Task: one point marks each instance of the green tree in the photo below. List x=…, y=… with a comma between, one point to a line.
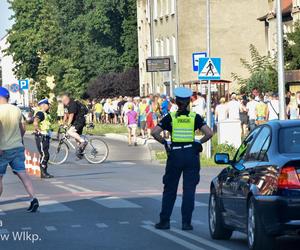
x=292, y=48
x=262, y=71
x=73, y=40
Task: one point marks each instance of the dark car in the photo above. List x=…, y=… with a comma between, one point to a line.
x=259, y=192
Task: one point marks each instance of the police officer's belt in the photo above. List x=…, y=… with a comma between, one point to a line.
x=182, y=147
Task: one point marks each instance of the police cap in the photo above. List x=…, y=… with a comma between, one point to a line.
x=182, y=92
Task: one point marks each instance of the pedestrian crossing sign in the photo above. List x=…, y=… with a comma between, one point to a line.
x=209, y=68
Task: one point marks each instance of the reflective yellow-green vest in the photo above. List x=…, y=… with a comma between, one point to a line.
x=45, y=125
x=183, y=127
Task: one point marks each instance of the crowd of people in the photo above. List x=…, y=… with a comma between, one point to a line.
x=144, y=113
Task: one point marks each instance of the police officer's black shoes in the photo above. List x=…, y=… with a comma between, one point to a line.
x=187, y=227
x=34, y=205
x=163, y=225
x=45, y=174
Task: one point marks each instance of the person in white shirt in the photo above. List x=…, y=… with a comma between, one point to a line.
x=273, y=107
x=251, y=108
x=221, y=111
x=234, y=108
x=199, y=105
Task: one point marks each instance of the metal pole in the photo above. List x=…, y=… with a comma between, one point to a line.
x=281, y=77
x=151, y=6
x=208, y=99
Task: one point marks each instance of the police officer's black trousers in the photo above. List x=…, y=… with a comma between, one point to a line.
x=181, y=161
x=43, y=144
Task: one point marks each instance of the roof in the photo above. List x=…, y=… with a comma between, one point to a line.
x=285, y=123
x=286, y=8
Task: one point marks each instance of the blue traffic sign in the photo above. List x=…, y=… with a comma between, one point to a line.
x=14, y=88
x=24, y=84
x=209, y=68
x=195, y=57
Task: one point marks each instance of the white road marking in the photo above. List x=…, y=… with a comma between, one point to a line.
x=2, y=213
x=50, y=228
x=115, y=202
x=52, y=206
x=198, y=222
x=81, y=189
x=179, y=202
x=147, y=222
x=57, y=182
x=75, y=226
x=199, y=239
x=101, y=225
x=173, y=238
x=123, y=222
x=14, y=206
x=125, y=163
x=67, y=188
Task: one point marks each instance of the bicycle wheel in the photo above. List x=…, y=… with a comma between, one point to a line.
x=96, y=151
x=58, y=151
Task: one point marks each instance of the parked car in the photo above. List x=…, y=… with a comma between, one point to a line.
x=27, y=114
x=259, y=192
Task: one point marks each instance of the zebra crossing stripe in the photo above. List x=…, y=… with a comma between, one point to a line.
x=179, y=202
x=173, y=238
x=199, y=239
x=115, y=202
x=101, y=225
x=51, y=206
x=50, y=228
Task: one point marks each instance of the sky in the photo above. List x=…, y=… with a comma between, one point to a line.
x=5, y=14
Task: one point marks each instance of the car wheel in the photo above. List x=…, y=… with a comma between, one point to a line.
x=216, y=225
x=256, y=235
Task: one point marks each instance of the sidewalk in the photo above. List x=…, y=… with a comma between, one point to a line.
x=152, y=145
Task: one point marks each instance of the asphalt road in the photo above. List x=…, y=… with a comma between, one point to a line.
x=108, y=206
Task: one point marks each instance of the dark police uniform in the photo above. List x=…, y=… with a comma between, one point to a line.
x=183, y=158
x=43, y=139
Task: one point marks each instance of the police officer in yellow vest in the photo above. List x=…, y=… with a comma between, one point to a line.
x=42, y=126
x=183, y=158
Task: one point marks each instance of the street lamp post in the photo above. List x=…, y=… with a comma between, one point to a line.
x=208, y=99
x=281, y=78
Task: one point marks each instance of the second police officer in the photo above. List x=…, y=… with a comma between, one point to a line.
x=42, y=126
x=183, y=157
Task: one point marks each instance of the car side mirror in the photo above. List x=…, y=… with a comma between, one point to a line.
x=222, y=158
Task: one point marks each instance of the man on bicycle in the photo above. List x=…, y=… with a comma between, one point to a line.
x=42, y=126
x=74, y=120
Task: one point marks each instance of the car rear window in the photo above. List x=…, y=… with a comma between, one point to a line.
x=289, y=140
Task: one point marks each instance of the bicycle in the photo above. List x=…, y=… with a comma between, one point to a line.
x=95, y=152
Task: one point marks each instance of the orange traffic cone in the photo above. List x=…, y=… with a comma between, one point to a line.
x=34, y=164
x=29, y=165
x=37, y=167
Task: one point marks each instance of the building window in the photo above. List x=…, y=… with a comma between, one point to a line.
x=148, y=10
x=157, y=48
x=167, y=46
x=161, y=8
x=155, y=9
x=174, y=48
x=162, y=47
x=173, y=6
x=167, y=8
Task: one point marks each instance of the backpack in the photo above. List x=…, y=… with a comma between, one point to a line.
x=83, y=110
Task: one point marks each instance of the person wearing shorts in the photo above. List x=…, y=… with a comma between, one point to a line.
x=11, y=146
x=131, y=121
x=75, y=122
